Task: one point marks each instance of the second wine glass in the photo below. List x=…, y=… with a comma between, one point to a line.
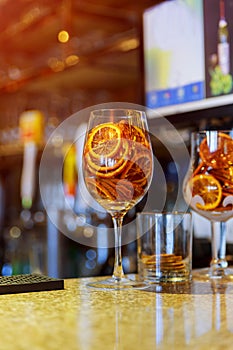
x=117, y=170
x=208, y=189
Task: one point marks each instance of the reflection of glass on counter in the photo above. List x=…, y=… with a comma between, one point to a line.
x=156, y=318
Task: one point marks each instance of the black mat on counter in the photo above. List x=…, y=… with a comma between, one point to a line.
x=29, y=283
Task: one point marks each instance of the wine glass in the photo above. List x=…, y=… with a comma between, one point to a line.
x=117, y=171
x=208, y=189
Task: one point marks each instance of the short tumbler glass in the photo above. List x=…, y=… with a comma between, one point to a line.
x=164, y=246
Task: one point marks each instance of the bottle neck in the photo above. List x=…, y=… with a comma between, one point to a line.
x=222, y=10
x=223, y=26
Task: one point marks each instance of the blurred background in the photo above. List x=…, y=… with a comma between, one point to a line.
x=57, y=58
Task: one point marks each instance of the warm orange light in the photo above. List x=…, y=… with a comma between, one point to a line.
x=129, y=44
x=72, y=60
x=14, y=73
x=55, y=64
x=63, y=36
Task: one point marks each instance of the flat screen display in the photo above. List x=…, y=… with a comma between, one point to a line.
x=188, y=55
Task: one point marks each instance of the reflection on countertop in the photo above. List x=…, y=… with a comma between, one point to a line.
x=192, y=316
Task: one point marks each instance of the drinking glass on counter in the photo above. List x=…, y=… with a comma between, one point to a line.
x=164, y=246
x=117, y=170
x=208, y=189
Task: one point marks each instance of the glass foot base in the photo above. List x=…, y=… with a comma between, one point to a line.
x=206, y=274
x=122, y=284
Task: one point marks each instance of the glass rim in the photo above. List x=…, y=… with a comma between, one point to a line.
x=212, y=130
x=177, y=212
x=117, y=109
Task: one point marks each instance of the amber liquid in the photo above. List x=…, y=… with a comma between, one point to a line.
x=218, y=164
x=118, y=182
x=115, y=194
x=122, y=191
x=223, y=210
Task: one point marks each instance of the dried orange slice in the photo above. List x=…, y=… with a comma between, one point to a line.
x=134, y=133
x=100, y=166
x=104, y=140
x=104, y=163
x=141, y=136
x=200, y=169
x=217, y=153
x=106, y=167
x=208, y=188
x=109, y=174
x=120, y=188
x=224, y=175
x=97, y=189
x=139, y=169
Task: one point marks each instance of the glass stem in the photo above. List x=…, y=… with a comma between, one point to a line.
x=218, y=261
x=118, y=272
x=223, y=243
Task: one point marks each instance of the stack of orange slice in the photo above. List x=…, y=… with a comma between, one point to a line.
x=220, y=153
x=117, y=161
x=213, y=178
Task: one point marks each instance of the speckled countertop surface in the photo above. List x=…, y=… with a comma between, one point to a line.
x=186, y=317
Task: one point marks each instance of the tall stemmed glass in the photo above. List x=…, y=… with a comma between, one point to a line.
x=208, y=189
x=117, y=170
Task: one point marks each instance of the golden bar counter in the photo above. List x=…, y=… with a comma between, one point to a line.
x=184, y=316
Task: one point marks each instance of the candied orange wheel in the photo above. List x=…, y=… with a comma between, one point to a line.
x=208, y=188
x=222, y=155
x=104, y=140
